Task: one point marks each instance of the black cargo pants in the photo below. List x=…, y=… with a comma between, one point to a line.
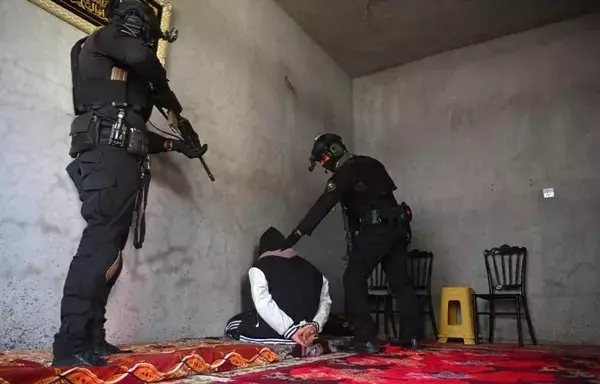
x=107, y=180
x=385, y=244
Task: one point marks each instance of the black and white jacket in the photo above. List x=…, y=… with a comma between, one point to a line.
x=289, y=292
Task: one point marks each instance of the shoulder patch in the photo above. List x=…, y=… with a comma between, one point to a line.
x=330, y=186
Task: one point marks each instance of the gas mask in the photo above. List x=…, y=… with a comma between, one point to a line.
x=327, y=149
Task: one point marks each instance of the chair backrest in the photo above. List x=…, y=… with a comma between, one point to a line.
x=419, y=267
x=506, y=268
x=377, y=280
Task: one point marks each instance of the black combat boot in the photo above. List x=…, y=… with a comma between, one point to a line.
x=360, y=347
x=104, y=348
x=81, y=359
x=412, y=343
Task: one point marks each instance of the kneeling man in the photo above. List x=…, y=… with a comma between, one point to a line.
x=290, y=296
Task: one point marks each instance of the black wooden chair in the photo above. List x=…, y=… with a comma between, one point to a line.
x=506, y=268
x=419, y=267
x=380, y=294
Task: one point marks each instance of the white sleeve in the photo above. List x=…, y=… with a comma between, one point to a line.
x=324, y=307
x=266, y=307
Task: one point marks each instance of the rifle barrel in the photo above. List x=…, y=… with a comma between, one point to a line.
x=208, y=172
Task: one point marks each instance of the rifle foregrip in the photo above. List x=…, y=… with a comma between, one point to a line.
x=192, y=140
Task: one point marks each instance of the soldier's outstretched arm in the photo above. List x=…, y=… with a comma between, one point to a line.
x=337, y=187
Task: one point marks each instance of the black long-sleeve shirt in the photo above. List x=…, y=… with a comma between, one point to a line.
x=361, y=183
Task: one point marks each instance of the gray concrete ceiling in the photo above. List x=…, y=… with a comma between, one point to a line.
x=365, y=36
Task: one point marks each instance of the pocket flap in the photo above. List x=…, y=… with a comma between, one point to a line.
x=82, y=123
x=98, y=180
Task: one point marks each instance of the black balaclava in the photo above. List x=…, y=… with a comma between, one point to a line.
x=271, y=240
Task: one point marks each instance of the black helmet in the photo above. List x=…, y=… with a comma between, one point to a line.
x=136, y=16
x=327, y=150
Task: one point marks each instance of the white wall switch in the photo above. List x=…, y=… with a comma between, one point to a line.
x=548, y=192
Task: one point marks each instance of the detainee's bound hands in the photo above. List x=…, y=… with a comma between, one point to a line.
x=310, y=334
x=305, y=335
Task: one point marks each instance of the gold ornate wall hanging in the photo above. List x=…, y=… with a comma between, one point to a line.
x=88, y=15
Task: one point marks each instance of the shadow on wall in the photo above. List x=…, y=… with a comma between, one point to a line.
x=172, y=177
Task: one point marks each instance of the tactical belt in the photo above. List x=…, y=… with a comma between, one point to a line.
x=135, y=143
x=400, y=215
x=387, y=216
x=380, y=216
x=119, y=133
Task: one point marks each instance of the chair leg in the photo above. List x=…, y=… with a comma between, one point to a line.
x=529, y=326
x=394, y=328
x=519, y=327
x=389, y=307
x=476, y=319
x=492, y=321
x=396, y=321
x=377, y=313
x=386, y=317
x=432, y=314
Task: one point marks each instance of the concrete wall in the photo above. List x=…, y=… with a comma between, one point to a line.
x=228, y=69
x=473, y=135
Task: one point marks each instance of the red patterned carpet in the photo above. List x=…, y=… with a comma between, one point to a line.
x=149, y=363
x=447, y=364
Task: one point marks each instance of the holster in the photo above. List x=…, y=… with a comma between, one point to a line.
x=85, y=130
x=137, y=142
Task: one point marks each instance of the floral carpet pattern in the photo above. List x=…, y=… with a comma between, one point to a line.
x=149, y=363
x=447, y=364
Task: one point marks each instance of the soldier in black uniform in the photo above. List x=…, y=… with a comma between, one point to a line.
x=380, y=233
x=117, y=78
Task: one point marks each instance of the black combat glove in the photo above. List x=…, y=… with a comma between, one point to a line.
x=179, y=146
x=292, y=239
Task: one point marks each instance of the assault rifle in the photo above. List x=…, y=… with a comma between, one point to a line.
x=190, y=138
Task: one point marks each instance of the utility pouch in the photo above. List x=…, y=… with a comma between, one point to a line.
x=84, y=133
x=118, y=132
x=406, y=216
x=136, y=142
x=405, y=213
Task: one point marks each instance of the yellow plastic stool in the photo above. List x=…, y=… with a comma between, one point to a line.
x=455, y=299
